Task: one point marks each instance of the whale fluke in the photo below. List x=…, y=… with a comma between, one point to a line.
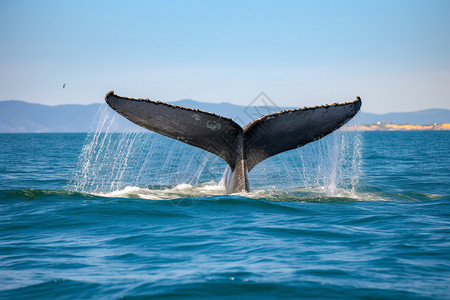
x=241, y=148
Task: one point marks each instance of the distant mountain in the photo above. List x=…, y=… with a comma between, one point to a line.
x=20, y=116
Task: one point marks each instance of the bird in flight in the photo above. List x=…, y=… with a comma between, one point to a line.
x=64, y=85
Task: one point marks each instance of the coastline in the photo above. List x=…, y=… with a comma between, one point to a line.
x=397, y=127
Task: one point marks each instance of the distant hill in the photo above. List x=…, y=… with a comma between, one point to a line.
x=20, y=116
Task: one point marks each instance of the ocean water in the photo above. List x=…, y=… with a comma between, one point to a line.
x=356, y=215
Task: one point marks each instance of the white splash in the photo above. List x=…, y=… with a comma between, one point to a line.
x=183, y=190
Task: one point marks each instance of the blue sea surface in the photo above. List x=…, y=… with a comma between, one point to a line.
x=136, y=215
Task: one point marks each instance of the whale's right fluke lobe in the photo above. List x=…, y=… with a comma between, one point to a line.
x=241, y=148
x=275, y=133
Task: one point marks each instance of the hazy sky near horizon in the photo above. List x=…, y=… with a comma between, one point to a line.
x=394, y=54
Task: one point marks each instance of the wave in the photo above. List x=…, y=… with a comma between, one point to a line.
x=216, y=286
x=34, y=194
x=216, y=191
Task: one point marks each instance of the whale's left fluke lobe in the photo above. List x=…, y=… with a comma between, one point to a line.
x=241, y=148
x=210, y=132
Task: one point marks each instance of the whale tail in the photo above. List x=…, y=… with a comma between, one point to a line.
x=241, y=148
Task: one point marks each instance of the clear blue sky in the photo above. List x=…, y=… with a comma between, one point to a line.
x=394, y=54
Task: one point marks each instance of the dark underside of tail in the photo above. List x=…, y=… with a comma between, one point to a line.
x=275, y=133
x=260, y=139
x=210, y=132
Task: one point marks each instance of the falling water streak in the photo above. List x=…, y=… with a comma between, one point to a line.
x=154, y=147
x=327, y=165
x=120, y=164
x=102, y=151
x=200, y=170
x=303, y=165
x=96, y=157
x=286, y=167
x=211, y=165
x=330, y=178
x=331, y=164
x=356, y=161
x=86, y=159
x=160, y=175
x=148, y=138
x=184, y=173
